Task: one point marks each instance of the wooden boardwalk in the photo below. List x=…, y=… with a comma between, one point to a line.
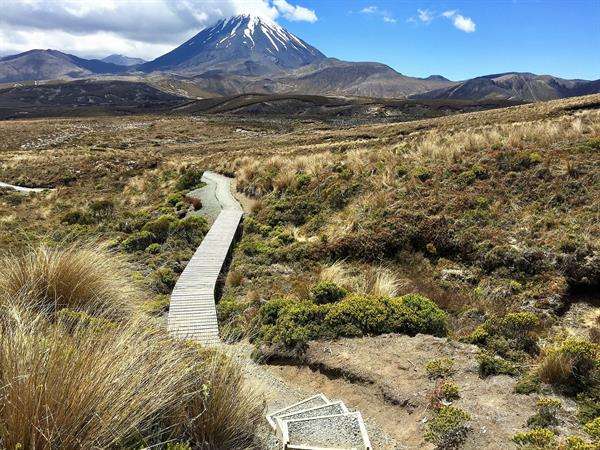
x=192, y=313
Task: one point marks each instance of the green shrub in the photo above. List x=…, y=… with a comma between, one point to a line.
x=545, y=417
x=101, y=209
x=421, y=173
x=535, y=158
x=413, y=313
x=229, y=308
x=231, y=318
x=588, y=405
x=594, y=143
x=478, y=336
x=286, y=322
x=191, y=229
x=154, y=248
x=439, y=368
x=490, y=364
x=327, y=292
x=138, y=241
x=164, y=280
x=450, y=391
x=178, y=446
x=529, y=383
x=158, y=306
x=77, y=217
x=539, y=438
x=297, y=323
x=479, y=171
x=270, y=311
x=174, y=199
x=449, y=427
x=466, y=178
x=189, y=179
x=514, y=324
x=593, y=429
x=160, y=227
x=357, y=315
x=572, y=365
x=577, y=443
x=512, y=336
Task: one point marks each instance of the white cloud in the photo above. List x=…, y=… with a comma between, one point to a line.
x=144, y=28
x=385, y=15
x=461, y=22
x=369, y=10
x=295, y=13
x=425, y=15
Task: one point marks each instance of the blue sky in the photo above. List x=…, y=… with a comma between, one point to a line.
x=456, y=38
x=558, y=37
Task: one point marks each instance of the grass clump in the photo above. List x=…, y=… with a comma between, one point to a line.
x=439, y=368
x=82, y=368
x=539, y=438
x=189, y=178
x=545, y=417
x=593, y=429
x=490, y=365
x=448, y=428
x=512, y=337
x=571, y=366
x=80, y=277
x=529, y=383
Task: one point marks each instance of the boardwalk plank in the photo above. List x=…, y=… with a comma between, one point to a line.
x=192, y=314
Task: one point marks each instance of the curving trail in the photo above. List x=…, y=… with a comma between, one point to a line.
x=192, y=313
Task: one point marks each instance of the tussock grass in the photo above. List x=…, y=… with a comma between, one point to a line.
x=383, y=283
x=84, y=389
x=78, y=276
x=72, y=380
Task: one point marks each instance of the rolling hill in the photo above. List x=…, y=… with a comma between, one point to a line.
x=51, y=65
x=515, y=86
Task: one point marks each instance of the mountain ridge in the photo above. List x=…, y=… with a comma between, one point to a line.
x=524, y=86
x=248, y=53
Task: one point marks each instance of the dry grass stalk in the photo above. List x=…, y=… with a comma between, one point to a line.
x=81, y=277
x=383, y=283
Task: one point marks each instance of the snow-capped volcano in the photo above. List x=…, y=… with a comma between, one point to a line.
x=245, y=44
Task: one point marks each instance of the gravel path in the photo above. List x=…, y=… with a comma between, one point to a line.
x=318, y=432
x=215, y=195
x=25, y=190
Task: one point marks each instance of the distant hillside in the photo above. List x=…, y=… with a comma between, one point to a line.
x=84, y=97
x=515, y=86
x=51, y=65
x=122, y=60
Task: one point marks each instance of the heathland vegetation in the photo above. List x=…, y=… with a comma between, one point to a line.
x=480, y=228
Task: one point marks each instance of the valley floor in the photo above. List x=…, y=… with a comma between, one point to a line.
x=411, y=269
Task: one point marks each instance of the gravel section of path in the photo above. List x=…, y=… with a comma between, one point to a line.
x=325, y=410
x=340, y=431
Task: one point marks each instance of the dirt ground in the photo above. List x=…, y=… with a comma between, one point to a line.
x=384, y=377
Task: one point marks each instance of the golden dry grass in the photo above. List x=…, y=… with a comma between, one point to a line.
x=78, y=276
x=78, y=381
